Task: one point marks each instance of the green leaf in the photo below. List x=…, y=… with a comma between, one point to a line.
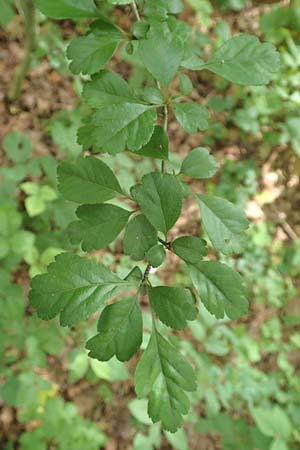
x=173, y=305
x=191, y=116
x=88, y=180
x=190, y=248
x=17, y=146
x=221, y=290
x=185, y=84
x=120, y=331
x=91, y=53
x=161, y=53
x=99, y=225
x=7, y=12
x=158, y=146
x=273, y=422
x=159, y=9
x=160, y=199
x=68, y=9
x=139, y=237
x=121, y=120
x=156, y=255
x=74, y=287
x=199, y=164
x=224, y=222
x=164, y=375
x=244, y=60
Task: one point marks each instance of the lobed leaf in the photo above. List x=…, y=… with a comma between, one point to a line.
x=224, y=222
x=164, y=375
x=173, y=305
x=191, y=116
x=120, y=331
x=88, y=180
x=160, y=199
x=220, y=289
x=74, y=287
x=199, y=164
x=99, y=225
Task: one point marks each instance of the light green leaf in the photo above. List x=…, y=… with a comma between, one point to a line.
x=221, y=290
x=199, y=164
x=112, y=370
x=91, y=53
x=224, y=222
x=99, y=225
x=190, y=248
x=68, y=9
x=178, y=440
x=139, y=237
x=160, y=199
x=120, y=331
x=17, y=146
x=74, y=287
x=244, y=60
x=161, y=53
x=156, y=255
x=138, y=409
x=191, y=116
x=272, y=422
x=121, y=120
x=164, y=375
x=185, y=84
x=173, y=305
x=34, y=205
x=88, y=180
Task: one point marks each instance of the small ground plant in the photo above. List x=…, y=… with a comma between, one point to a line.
x=135, y=119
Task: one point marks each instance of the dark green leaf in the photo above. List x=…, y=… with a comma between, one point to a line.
x=161, y=53
x=191, y=116
x=158, y=146
x=220, y=289
x=164, y=375
x=160, y=199
x=199, y=164
x=99, y=225
x=67, y=9
x=139, y=236
x=245, y=60
x=173, y=305
x=224, y=222
x=91, y=53
x=74, y=287
x=120, y=331
x=156, y=255
x=190, y=248
x=88, y=180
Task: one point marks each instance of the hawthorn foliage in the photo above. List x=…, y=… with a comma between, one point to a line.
x=136, y=120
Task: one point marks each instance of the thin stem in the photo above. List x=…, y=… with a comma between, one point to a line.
x=136, y=11
x=166, y=117
x=30, y=46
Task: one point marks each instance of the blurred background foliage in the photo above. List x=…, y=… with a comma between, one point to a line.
x=52, y=396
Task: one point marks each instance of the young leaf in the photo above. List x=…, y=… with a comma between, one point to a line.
x=161, y=53
x=74, y=287
x=173, y=305
x=139, y=237
x=186, y=87
x=199, y=164
x=164, y=375
x=160, y=199
x=157, y=147
x=99, y=225
x=120, y=331
x=121, y=119
x=156, y=255
x=220, y=289
x=91, y=53
x=190, y=248
x=88, y=180
x=245, y=60
x=191, y=116
x=224, y=222
x=68, y=9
